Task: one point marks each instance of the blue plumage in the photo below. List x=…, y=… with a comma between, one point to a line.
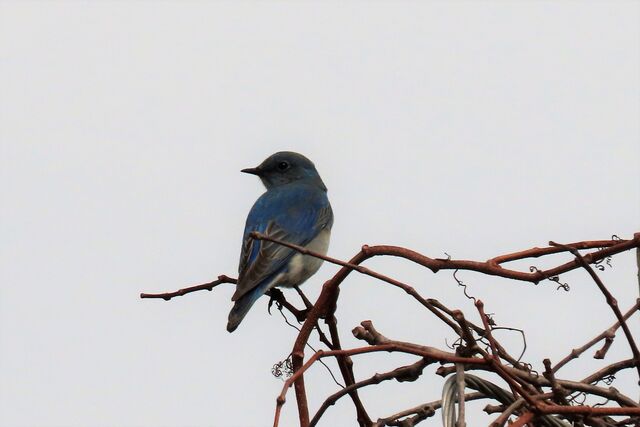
x=295, y=209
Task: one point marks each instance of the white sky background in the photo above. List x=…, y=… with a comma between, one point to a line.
x=472, y=128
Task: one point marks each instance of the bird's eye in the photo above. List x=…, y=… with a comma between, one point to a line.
x=283, y=166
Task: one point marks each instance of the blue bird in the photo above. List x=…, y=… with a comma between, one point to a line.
x=295, y=209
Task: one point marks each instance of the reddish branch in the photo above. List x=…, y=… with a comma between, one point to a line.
x=493, y=267
x=423, y=411
x=529, y=400
x=523, y=419
x=507, y=412
x=607, y=335
x=180, y=292
x=613, y=303
x=540, y=381
x=275, y=294
x=346, y=369
x=404, y=373
x=428, y=353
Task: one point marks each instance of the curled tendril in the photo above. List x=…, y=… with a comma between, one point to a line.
x=534, y=269
x=457, y=343
x=464, y=287
x=276, y=370
x=288, y=365
x=599, y=263
x=448, y=258
x=524, y=341
x=601, y=403
x=609, y=379
x=579, y=398
x=529, y=368
x=283, y=368
x=564, y=286
x=615, y=237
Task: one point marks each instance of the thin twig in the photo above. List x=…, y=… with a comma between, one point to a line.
x=425, y=408
x=205, y=286
x=608, y=333
x=404, y=373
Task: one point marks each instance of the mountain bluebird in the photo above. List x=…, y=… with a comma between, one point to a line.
x=294, y=209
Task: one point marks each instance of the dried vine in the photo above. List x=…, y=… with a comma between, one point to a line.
x=531, y=399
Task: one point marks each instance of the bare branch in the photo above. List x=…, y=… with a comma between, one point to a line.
x=425, y=410
x=534, y=399
x=613, y=303
x=608, y=335
x=405, y=373
x=180, y=292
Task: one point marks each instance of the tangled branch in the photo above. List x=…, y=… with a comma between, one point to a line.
x=531, y=398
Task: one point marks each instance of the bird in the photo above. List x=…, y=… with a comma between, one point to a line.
x=295, y=208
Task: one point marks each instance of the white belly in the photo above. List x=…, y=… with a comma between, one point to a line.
x=301, y=267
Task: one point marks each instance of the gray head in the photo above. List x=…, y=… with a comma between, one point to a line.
x=286, y=167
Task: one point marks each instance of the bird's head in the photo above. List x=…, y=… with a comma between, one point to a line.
x=286, y=167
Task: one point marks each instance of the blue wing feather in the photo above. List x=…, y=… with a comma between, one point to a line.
x=295, y=213
x=299, y=212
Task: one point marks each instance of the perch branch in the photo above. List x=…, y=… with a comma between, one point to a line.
x=180, y=292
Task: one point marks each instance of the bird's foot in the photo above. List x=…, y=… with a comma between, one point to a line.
x=276, y=296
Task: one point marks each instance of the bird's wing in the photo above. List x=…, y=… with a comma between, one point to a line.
x=295, y=216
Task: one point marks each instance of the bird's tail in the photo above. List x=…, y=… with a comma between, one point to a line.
x=241, y=308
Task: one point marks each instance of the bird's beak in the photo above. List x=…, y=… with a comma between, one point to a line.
x=252, y=171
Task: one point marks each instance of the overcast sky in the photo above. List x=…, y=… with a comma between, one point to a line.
x=474, y=129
